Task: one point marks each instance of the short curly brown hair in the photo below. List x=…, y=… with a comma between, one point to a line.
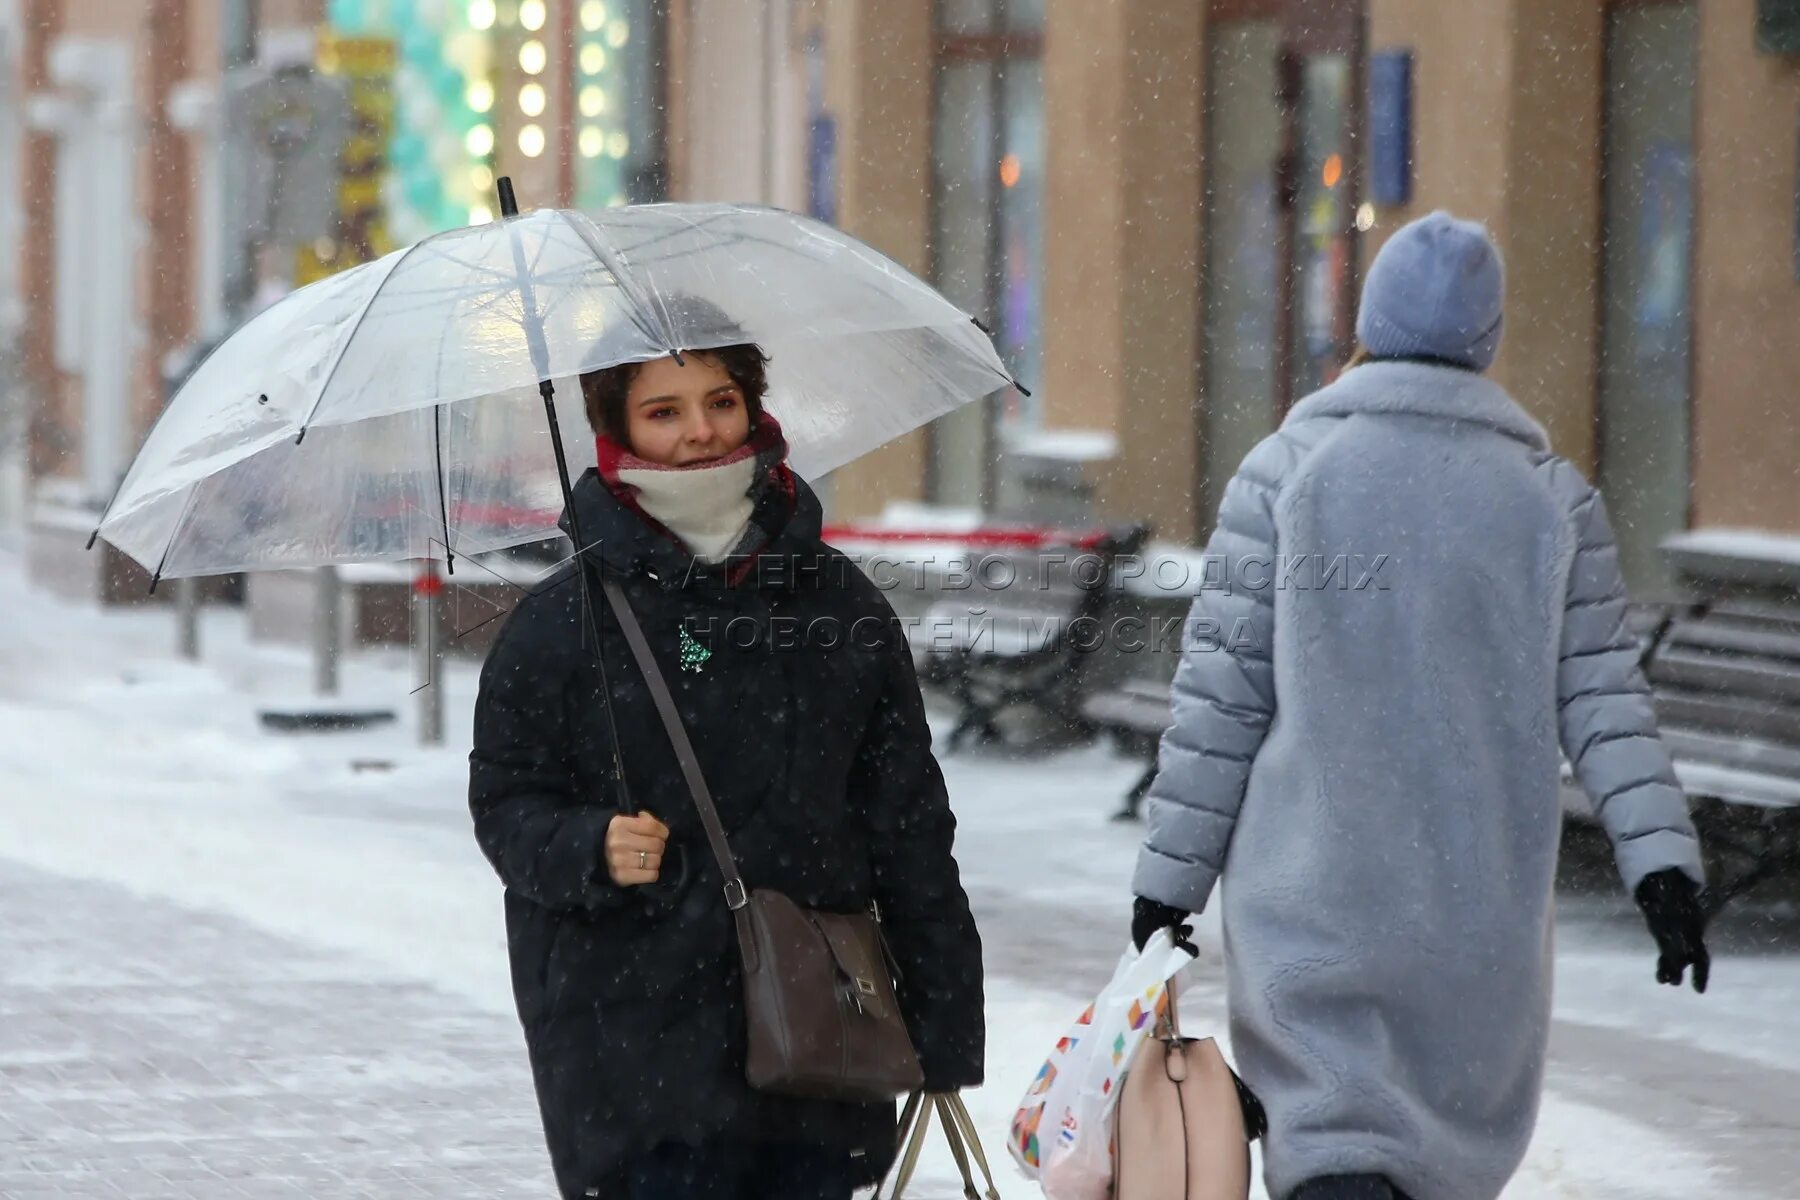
x=603, y=392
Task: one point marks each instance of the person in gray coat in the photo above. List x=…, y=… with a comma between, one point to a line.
x=1418, y=604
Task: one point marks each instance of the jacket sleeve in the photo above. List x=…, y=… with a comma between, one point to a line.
x=924, y=910
x=1606, y=721
x=544, y=843
x=1222, y=699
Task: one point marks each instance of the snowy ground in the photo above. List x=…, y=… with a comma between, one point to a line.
x=245, y=964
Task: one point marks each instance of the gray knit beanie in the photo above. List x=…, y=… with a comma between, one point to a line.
x=1434, y=291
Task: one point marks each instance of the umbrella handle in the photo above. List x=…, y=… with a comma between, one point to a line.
x=509, y=203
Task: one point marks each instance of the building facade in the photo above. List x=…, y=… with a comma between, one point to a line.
x=1186, y=205
x=144, y=215
x=1162, y=208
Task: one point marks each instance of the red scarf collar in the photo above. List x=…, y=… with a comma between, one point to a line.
x=766, y=444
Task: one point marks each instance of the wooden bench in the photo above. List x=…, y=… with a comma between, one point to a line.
x=1013, y=638
x=1135, y=712
x=1725, y=677
x=1725, y=670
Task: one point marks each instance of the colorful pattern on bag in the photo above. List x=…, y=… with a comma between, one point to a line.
x=1076, y=1089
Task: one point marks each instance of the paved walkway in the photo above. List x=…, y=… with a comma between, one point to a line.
x=159, y=1053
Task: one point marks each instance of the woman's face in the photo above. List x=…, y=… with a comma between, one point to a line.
x=681, y=414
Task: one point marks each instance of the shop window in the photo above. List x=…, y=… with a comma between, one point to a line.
x=1646, y=272
x=987, y=216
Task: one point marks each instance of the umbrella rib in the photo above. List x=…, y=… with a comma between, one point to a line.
x=355, y=328
x=627, y=284
x=187, y=506
x=742, y=236
x=437, y=437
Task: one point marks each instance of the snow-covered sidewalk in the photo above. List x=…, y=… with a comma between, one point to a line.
x=242, y=964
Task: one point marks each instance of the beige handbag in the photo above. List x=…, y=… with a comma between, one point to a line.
x=959, y=1131
x=1180, y=1131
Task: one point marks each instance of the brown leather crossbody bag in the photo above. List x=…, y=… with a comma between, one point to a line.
x=818, y=992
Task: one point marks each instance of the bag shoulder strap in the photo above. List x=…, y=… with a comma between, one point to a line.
x=735, y=896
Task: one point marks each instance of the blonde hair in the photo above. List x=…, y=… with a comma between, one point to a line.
x=1358, y=357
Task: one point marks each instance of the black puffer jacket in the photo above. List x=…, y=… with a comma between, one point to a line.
x=808, y=723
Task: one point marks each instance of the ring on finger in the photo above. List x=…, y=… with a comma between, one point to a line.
x=643, y=860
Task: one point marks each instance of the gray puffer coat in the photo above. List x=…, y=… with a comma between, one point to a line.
x=1366, y=749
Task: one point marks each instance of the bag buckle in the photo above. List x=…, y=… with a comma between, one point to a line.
x=866, y=986
x=735, y=895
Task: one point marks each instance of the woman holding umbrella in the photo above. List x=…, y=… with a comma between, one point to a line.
x=406, y=385
x=798, y=691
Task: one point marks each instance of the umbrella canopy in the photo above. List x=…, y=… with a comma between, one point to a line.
x=394, y=410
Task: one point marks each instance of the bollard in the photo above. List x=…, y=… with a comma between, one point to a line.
x=187, y=617
x=327, y=631
x=428, y=586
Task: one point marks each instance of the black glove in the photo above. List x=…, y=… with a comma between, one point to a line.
x=1671, y=905
x=1148, y=916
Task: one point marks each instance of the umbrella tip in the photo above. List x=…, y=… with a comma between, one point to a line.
x=982, y=325
x=509, y=203
x=1023, y=390
x=154, y=580
x=301, y=437
x=92, y=537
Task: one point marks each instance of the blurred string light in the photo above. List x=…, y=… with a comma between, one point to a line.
x=531, y=140
x=532, y=15
x=533, y=57
x=443, y=139
x=532, y=99
x=603, y=139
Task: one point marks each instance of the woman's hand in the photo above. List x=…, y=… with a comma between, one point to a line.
x=634, y=849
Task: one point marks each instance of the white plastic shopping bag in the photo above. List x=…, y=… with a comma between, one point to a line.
x=1062, y=1131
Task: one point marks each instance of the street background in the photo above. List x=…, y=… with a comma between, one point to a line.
x=240, y=963
x=243, y=964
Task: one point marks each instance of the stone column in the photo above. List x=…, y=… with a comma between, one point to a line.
x=1123, y=97
x=165, y=180
x=52, y=437
x=879, y=56
x=1746, y=424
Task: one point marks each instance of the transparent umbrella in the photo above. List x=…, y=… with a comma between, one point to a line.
x=400, y=410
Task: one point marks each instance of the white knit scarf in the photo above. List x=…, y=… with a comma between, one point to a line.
x=707, y=506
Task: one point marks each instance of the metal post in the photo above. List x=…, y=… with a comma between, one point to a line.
x=327, y=635
x=177, y=365
x=187, y=617
x=426, y=589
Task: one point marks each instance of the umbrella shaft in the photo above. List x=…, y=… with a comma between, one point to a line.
x=548, y=391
